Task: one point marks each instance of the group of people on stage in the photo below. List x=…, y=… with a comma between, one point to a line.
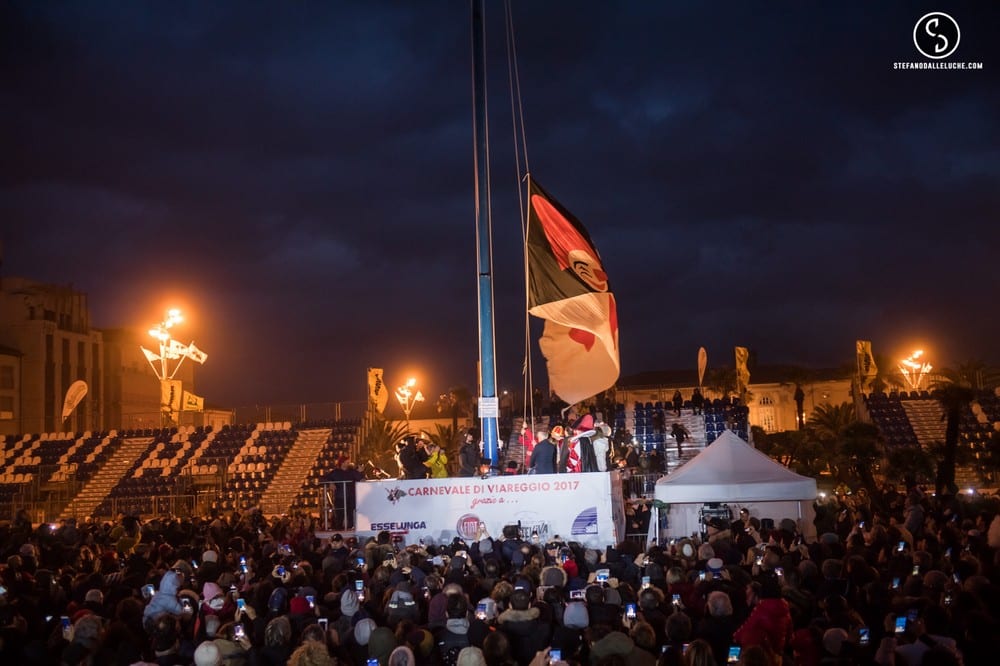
x=583, y=446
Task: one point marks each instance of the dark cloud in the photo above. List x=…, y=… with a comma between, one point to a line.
x=302, y=176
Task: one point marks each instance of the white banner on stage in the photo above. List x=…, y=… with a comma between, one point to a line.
x=577, y=507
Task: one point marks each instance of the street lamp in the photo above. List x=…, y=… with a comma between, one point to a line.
x=172, y=397
x=408, y=395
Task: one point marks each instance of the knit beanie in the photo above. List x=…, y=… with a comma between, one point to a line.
x=349, y=605
x=363, y=631
x=576, y=616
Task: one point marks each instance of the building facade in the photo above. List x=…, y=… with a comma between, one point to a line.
x=49, y=326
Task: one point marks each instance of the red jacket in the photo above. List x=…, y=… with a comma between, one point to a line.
x=769, y=625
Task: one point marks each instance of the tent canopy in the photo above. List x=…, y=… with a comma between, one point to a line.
x=731, y=470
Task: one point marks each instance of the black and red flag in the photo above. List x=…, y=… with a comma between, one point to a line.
x=568, y=288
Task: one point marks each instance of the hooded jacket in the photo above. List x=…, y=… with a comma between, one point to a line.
x=165, y=600
x=527, y=632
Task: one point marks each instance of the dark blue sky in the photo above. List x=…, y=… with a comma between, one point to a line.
x=299, y=178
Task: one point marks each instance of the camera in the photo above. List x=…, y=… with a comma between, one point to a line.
x=238, y=631
x=645, y=582
x=555, y=655
x=360, y=563
x=676, y=600
x=281, y=570
x=630, y=611
x=322, y=622
x=602, y=575
x=900, y=624
x=863, y=636
x=734, y=654
x=312, y=600
x=481, y=611
x=901, y=546
x=241, y=604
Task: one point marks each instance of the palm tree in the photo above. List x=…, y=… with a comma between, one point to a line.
x=457, y=402
x=954, y=392
x=910, y=464
x=379, y=444
x=827, y=421
x=721, y=381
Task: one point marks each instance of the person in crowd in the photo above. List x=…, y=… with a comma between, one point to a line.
x=583, y=430
x=697, y=402
x=678, y=402
x=680, y=435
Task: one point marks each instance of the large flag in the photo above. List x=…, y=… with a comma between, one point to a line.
x=74, y=394
x=177, y=349
x=742, y=371
x=152, y=357
x=170, y=395
x=867, y=369
x=378, y=394
x=702, y=364
x=568, y=288
x=193, y=403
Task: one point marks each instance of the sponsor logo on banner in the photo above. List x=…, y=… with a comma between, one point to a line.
x=395, y=494
x=586, y=522
x=468, y=526
x=400, y=526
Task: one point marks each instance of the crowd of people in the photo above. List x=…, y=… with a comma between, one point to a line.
x=893, y=578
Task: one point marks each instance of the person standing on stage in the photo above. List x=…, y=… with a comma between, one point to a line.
x=468, y=455
x=543, y=456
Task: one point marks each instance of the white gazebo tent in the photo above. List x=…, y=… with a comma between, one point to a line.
x=731, y=472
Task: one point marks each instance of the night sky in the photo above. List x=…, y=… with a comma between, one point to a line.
x=298, y=178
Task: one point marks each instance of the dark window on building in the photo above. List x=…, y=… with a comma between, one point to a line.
x=50, y=383
x=6, y=406
x=6, y=376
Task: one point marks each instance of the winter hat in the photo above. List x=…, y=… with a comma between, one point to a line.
x=27, y=550
x=363, y=631
x=558, y=433
x=715, y=565
x=486, y=546
x=471, y=656
x=612, y=596
x=553, y=576
x=576, y=616
x=402, y=656
x=299, y=606
x=94, y=597
x=208, y=654
x=585, y=422
x=210, y=591
x=87, y=630
x=381, y=644
x=829, y=538
x=349, y=603
x=210, y=556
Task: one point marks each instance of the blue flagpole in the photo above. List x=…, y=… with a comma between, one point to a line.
x=488, y=407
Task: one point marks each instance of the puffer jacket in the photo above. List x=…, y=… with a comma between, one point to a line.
x=165, y=600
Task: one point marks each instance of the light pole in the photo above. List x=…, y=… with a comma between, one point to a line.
x=171, y=390
x=408, y=395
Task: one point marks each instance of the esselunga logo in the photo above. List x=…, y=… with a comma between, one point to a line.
x=936, y=35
